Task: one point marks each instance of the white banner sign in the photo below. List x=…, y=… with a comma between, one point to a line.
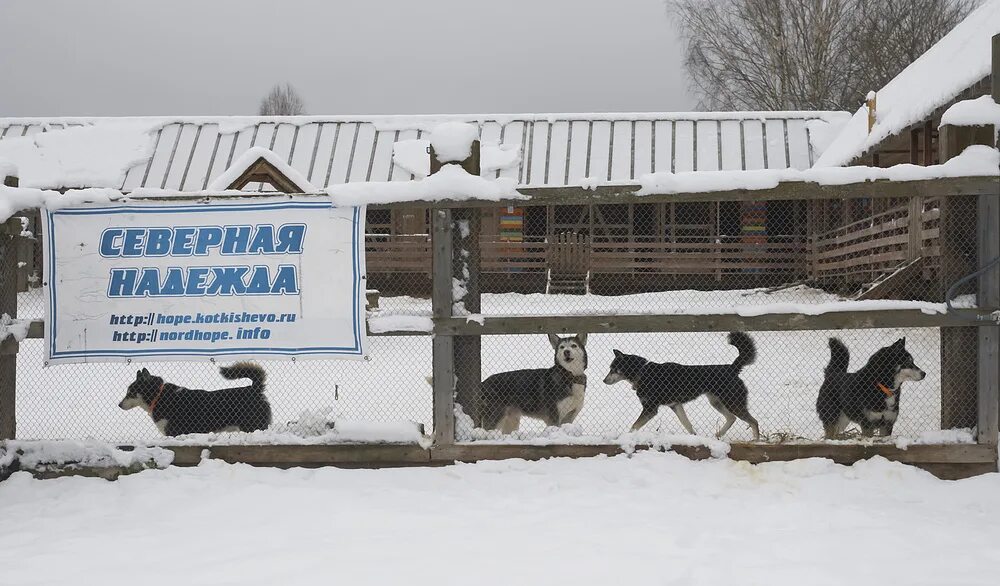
x=225, y=281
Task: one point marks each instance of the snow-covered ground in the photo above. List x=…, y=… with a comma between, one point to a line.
x=80, y=401
x=653, y=518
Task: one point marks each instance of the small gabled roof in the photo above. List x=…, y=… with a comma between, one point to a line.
x=961, y=59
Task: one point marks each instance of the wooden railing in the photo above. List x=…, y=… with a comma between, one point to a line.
x=864, y=250
x=705, y=255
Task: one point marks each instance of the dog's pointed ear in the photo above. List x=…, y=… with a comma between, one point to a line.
x=145, y=372
x=138, y=374
x=618, y=353
x=901, y=342
x=554, y=340
x=583, y=338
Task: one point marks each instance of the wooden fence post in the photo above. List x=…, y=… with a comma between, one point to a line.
x=443, y=361
x=8, y=305
x=466, y=268
x=988, y=213
x=915, y=228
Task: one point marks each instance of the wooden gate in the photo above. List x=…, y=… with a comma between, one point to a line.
x=569, y=263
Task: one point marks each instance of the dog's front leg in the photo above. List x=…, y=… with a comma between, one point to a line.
x=682, y=417
x=644, y=417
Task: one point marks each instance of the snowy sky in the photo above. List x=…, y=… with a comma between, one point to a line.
x=127, y=57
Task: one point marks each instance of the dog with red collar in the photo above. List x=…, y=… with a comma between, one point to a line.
x=869, y=397
x=177, y=410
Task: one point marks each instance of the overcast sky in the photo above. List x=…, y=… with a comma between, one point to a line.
x=213, y=57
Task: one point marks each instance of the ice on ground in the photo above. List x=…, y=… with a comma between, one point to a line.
x=652, y=518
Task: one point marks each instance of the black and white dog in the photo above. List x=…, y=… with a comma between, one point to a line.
x=554, y=395
x=176, y=410
x=673, y=384
x=868, y=397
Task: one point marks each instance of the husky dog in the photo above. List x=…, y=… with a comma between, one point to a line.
x=176, y=410
x=869, y=397
x=674, y=384
x=554, y=395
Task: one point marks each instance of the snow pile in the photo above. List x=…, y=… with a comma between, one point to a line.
x=452, y=141
x=938, y=436
x=652, y=518
x=15, y=199
x=36, y=455
x=311, y=427
x=956, y=62
x=412, y=156
x=13, y=327
x=97, y=155
x=7, y=169
x=976, y=160
x=659, y=441
x=981, y=111
x=400, y=323
x=251, y=156
x=450, y=183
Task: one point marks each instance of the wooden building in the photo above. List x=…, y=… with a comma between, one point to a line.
x=633, y=246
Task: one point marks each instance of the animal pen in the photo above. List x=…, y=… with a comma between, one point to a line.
x=779, y=288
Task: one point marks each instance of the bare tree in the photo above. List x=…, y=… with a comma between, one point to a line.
x=804, y=54
x=282, y=100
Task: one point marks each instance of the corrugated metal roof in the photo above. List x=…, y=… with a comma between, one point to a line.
x=556, y=150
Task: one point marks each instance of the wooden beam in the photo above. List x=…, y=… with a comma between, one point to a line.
x=988, y=217
x=950, y=461
x=8, y=359
x=789, y=190
x=443, y=347
x=263, y=171
x=543, y=324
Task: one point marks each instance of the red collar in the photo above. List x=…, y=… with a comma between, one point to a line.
x=159, y=394
x=884, y=389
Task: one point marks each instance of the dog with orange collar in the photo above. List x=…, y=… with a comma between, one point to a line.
x=177, y=410
x=869, y=397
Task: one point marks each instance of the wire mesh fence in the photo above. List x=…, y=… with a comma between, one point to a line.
x=695, y=258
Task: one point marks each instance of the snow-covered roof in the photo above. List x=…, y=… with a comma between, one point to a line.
x=956, y=62
x=188, y=154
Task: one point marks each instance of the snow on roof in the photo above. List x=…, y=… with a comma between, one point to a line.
x=956, y=62
x=7, y=169
x=981, y=111
x=93, y=155
x=188, y=154
x=452, y=141
x=222, y=182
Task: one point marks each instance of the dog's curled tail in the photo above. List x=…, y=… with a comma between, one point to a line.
x=840, y=357
x=746, y=347
x=245, y=370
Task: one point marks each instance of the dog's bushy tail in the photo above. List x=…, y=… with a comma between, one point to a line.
x=840, y=357
x=746, y=347
x=245, y=370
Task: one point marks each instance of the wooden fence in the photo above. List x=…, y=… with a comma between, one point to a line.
x=456, y=366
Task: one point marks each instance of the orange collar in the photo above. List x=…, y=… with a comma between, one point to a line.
x=159, y=394
x=884, y=389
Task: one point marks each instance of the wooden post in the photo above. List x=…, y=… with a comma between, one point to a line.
x=8, y=305
x=915, y=228
x=988, y=219
x=443, y=366
x=457, y=375
x=466, y=265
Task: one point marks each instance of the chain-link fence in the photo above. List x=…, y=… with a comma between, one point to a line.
x=703, y=258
